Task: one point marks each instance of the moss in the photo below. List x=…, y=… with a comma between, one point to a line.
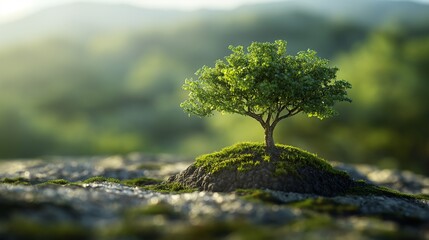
x=55, y=182
x=173, y=187
x=326, y=205
x=257, y=195
x=139, y=182
x=365, y=189
x=101, y=179
x=240, y=156
x=244, y=156
x=18, y=180
x=422, y=196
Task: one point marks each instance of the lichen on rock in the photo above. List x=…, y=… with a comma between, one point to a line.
x=247, y=166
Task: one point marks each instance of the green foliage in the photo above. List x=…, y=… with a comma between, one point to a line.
x=266, y=82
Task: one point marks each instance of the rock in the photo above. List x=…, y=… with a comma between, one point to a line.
x=293, y=171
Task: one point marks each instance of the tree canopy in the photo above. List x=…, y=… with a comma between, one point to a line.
x=266, y=84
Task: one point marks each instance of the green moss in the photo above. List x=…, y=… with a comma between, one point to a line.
x=18, y=180
x=174, y=187
x=240, y=156
x=55, y=182
x=365, y=189
x=244, y=156
x=326, y=205
x=101, y=179
x=422, y=196
x=257, y=195
x=139, y=182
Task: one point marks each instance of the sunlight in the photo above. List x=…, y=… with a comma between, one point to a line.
x=11, y=10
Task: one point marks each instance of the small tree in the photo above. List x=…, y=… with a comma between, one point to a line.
x=266, y=84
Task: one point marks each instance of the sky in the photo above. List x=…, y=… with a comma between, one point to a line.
x=14, y=9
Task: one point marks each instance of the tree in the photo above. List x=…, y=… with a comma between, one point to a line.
x=266, y=84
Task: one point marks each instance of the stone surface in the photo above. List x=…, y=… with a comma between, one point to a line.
x=115, y=211
x=306, y=180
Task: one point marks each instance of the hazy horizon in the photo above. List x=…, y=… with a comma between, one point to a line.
x=14, y=10
x=11, y=10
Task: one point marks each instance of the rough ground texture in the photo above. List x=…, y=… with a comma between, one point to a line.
x=106, y=210
x=314, y=177
x=305, y=180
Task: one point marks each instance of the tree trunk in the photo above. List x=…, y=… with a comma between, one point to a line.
x=270, y=146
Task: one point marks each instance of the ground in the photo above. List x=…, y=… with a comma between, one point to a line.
x=118, y=197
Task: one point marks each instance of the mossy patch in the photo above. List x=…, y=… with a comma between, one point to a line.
x=17, y=181
x=365, y=189
x=140, y=182
x=244, y=156
x=173, y=187
x=101, y=179
x=257, y=195
x=61, y=182
x=326, y=205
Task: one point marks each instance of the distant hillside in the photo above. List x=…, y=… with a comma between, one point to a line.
x=85, y=19
x=91, y=19
x=368, y=12
x=90, y=78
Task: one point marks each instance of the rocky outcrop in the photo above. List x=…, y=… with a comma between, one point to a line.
x=307, y=179
x=293, y=170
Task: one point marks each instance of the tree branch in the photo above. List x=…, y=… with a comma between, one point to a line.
x=290, y=113
x=255, y=116
x=269, y=115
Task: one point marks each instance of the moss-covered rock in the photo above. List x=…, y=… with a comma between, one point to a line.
x=247, y=166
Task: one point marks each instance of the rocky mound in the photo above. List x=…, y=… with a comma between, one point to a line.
x=246, y=166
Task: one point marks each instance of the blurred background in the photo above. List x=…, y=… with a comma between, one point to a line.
x=105, y=77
